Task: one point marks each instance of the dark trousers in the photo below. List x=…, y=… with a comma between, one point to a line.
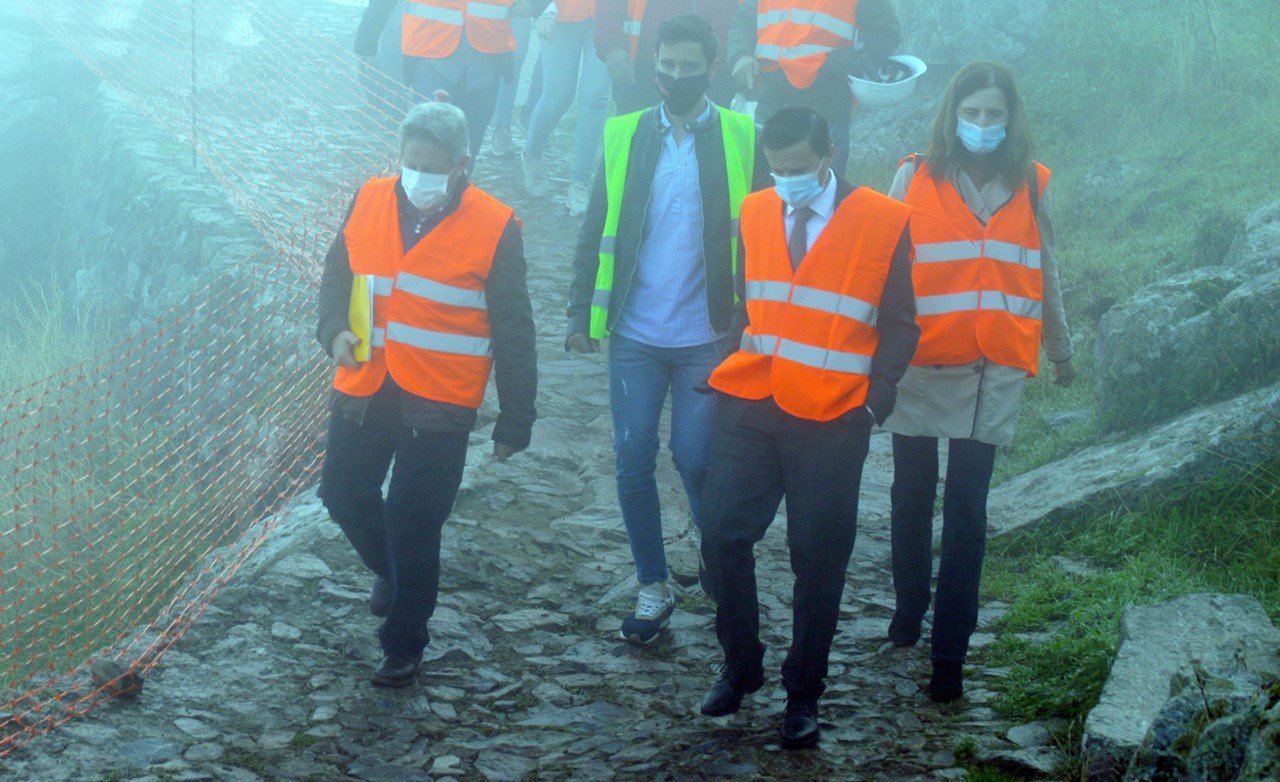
x=760, y=455
x=398, y=539
x=964, y=536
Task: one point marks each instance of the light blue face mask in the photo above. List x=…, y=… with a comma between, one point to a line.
x=979, y=140
x=799, y=190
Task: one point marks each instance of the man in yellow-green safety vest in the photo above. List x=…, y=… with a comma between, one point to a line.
x=654, y=273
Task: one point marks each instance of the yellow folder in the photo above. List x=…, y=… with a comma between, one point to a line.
x=360, y=314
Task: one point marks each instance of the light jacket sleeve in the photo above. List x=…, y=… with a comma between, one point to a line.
x=1055, y=334
x=742, y=33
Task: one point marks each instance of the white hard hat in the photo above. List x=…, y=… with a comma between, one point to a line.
x=877, y=94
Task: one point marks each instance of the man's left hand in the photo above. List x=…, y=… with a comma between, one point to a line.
x=1064, y=372
x=502, y=451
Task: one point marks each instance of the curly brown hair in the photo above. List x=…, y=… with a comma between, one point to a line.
x=947, y=156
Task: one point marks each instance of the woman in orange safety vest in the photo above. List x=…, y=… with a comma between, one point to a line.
x=987, y=297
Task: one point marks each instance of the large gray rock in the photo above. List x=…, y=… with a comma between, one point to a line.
x=1162, y=647
x=1165, y=461
x=944, y=31
x=1196, y=337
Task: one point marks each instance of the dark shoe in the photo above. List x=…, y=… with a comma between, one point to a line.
x=947, y=683
x=903, y=632
x=397, y=670
x=725, y=696
x=800, y=724
x=380, y=598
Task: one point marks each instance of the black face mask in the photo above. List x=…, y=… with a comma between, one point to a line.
x=682, y=94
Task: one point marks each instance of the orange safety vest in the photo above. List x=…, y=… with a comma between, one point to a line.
x=812, y=332
x=797, y=35
x=575, y=11
x=979, y=289
x=430, y=317
x=631, y=25
x=433, y=28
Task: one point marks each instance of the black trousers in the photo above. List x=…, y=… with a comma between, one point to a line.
x=964, y=536
x=759, y=456
x=398, y=539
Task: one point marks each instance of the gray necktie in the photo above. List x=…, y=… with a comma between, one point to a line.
x=798, y=244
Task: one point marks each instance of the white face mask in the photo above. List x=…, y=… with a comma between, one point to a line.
x=424, y=190
x=979, y=140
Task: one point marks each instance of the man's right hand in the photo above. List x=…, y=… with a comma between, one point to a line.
x=746, y=71
x=621, y=71
x=344, y=350
x=581, y=343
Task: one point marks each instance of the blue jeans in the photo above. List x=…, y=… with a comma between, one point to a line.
x=570, y=54
x=520, y=28
x=639, y=377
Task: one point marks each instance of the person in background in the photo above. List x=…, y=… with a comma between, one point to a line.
x=625, y=35
x=790, y=53
x=444, y=264
x=566, y=30
x=505, y=104
x=987, y=297
x=462, y=48
x=830, y=328
x=653, y=271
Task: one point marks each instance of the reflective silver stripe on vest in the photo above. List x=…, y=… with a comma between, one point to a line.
x=1014, y=305
x=776, y=16
x=434, y=14
x=631, y=27
x=381, y=285
x=1008, y=252
x=947, y=303
x=600, y=298
x=440, y=341
x=823, y=22
x=439, y=292
x=763, y=290
x=1005, y=252
x=835, y=303
x=939, y=252
x=771, y=52
x=607, y=243
x=810, y=356
x=488, y=11
x=378, y=339
x=969, y=301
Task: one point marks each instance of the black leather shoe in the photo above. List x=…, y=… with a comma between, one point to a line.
x=800, y=724
x=725, y=696
x=380, y=597
x=903, y=632
x=947, y=683
x=397, y=671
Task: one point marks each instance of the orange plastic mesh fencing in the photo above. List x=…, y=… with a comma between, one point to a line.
x=133, y=486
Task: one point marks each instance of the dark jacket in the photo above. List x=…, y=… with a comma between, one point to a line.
x=717, y=233
x=878, y=35
x=895, y=320
x=510, y=322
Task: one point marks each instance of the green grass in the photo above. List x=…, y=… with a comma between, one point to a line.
x=46, y=334
x=1223, y=537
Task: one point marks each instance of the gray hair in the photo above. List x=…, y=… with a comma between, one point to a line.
x=440, y=123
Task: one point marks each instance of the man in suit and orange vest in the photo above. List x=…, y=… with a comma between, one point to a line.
x=443, y=263
x=830, y=330
x=802, y=52
x=463, y=47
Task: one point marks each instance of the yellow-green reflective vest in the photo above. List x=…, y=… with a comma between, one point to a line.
x=739, y=133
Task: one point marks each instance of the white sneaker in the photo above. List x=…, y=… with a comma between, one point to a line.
x=579, y=192
x=535, y=176
x=654, y=604
x=500, y=142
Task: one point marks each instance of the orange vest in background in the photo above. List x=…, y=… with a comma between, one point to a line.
x=797, y=35
x=430, y=316
x=575, y=11
x=979, y=289
x=433, y=28
x=632, y=23
x=812, y=332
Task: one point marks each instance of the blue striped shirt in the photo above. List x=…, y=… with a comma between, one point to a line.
x=666, y=304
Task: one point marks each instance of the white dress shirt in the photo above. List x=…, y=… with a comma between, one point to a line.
x=823, y=207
